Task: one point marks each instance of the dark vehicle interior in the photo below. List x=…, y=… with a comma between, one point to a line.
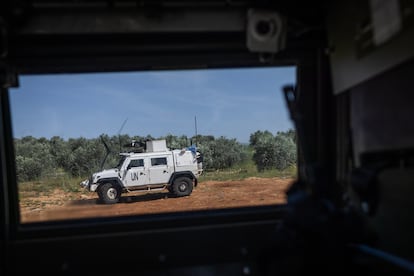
x=349, y=210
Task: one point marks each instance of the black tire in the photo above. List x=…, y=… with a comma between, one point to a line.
x=109, y=193
x=182, y=186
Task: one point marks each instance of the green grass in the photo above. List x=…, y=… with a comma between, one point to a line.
x=47, y=184
x=245, y=170
x=240, y=173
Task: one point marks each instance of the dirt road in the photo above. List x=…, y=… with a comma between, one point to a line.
x=208, y=195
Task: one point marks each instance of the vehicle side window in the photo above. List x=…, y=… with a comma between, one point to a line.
x=158, y=161
x=136, y=163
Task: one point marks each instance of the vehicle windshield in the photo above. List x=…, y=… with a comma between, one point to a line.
x=120, y=162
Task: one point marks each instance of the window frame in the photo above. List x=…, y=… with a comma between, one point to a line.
x=67, y=227
x=304, y=71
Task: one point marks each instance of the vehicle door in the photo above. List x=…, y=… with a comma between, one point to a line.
x=136, y=173
x=160, y=169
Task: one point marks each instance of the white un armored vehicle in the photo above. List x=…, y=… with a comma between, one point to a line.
x=157, y=168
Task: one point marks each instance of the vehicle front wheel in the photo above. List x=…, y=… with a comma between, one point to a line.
x=109, y=193
x=183, y=186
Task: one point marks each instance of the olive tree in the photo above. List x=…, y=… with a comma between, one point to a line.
x=271, y=151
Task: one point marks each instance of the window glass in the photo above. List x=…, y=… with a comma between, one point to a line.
x=136, y=163
x=230, y=127
x=158, y=161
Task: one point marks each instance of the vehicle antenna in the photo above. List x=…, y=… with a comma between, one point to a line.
x=195, y=125
x=119, y=134
x=108, y=151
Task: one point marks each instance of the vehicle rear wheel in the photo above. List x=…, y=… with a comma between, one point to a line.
x=183, y=186
x=109, y=193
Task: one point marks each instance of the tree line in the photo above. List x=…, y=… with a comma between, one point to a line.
x=41, y=157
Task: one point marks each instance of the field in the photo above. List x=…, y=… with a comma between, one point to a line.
x=68, y=202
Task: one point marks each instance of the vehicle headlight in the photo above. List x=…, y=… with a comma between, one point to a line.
x=84, y=183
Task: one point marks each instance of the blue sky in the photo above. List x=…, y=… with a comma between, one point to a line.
x=227, y=102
